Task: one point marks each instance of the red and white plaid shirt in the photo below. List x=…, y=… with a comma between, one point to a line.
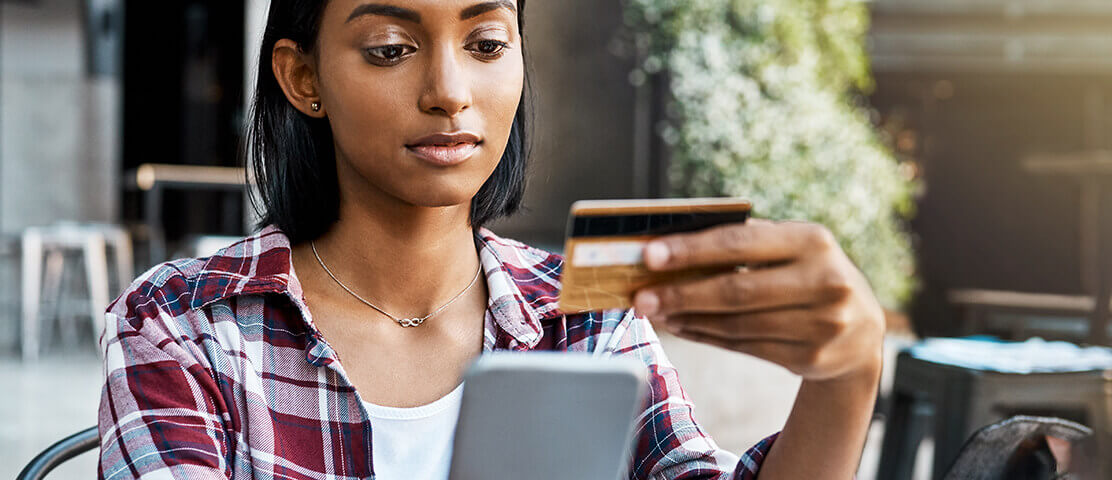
x=215, y=370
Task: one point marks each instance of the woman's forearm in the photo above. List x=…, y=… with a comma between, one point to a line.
x=825, y=433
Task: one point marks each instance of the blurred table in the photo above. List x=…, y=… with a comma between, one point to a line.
x=1093, y=170
x=978, y=305
x=152, y=179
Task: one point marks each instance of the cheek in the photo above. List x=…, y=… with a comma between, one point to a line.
x=364, y=109
x=498, y=94
x=503, y=86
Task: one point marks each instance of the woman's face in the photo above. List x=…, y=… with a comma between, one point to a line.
x=420, y=94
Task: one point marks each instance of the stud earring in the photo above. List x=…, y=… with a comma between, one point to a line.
x=315, y=106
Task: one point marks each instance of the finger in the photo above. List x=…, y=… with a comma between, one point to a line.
x=790, y=325
x=795, y=285
x=756, y=241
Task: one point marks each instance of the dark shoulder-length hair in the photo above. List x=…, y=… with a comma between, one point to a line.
x=293, y=157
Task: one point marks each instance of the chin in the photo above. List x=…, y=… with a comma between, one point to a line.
x=437, y=196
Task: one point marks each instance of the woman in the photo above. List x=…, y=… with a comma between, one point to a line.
x=385, y=134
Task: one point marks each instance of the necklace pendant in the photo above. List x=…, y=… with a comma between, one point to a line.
x=411, y=322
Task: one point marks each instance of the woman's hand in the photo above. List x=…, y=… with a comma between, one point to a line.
x=801, y=303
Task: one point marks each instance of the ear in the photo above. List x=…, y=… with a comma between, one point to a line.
x=297, y=76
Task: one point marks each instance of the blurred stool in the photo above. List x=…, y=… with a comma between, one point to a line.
x=49, y=245
x=953, y=387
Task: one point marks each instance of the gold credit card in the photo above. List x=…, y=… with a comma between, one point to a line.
x=605, y=238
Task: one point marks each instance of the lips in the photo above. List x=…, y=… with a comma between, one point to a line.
x=445, y=149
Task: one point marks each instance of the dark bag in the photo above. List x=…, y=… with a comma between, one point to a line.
x=1027, y=448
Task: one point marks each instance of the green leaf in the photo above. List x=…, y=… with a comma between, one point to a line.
x=763, y=106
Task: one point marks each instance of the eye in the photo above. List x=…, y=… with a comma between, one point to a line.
x=488, y=48
x=389, y=54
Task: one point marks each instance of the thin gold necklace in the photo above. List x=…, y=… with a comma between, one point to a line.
x=405, y=322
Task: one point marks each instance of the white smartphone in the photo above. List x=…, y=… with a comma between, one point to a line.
x=547, y=416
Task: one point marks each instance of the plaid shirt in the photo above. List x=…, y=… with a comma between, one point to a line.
x=215, y=370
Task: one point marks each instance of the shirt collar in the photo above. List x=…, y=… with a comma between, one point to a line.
x=523, y=281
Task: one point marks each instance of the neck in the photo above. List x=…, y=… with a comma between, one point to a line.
x=407, y=260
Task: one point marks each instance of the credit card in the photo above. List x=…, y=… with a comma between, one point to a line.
x=605, y=239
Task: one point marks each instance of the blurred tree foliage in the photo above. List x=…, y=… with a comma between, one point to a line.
x=765, y=103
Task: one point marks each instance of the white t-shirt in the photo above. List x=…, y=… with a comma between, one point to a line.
x=414, y=443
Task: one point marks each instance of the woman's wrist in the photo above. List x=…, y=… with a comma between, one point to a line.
x=827, y=426
x=866, y=375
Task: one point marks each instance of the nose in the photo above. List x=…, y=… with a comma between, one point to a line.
x=447, y=90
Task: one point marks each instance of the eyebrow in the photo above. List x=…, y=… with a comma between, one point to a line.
x=385, y=11
x=476, y=10
x=412, y=16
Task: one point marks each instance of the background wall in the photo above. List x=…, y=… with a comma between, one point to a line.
x=971, y=90
x=58, y=144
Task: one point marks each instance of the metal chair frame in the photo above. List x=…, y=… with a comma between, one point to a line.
x=62, y=451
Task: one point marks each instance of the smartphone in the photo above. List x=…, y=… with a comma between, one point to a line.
x=547, y=416
x=603, y=265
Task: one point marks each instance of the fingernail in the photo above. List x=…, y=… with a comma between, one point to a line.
x=647, y=303
x=656, y=254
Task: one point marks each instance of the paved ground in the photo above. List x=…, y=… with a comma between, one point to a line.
x=45, y=402
x=740, y=400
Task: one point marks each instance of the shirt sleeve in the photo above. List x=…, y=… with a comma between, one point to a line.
x=668, y=442
x=159, y=410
